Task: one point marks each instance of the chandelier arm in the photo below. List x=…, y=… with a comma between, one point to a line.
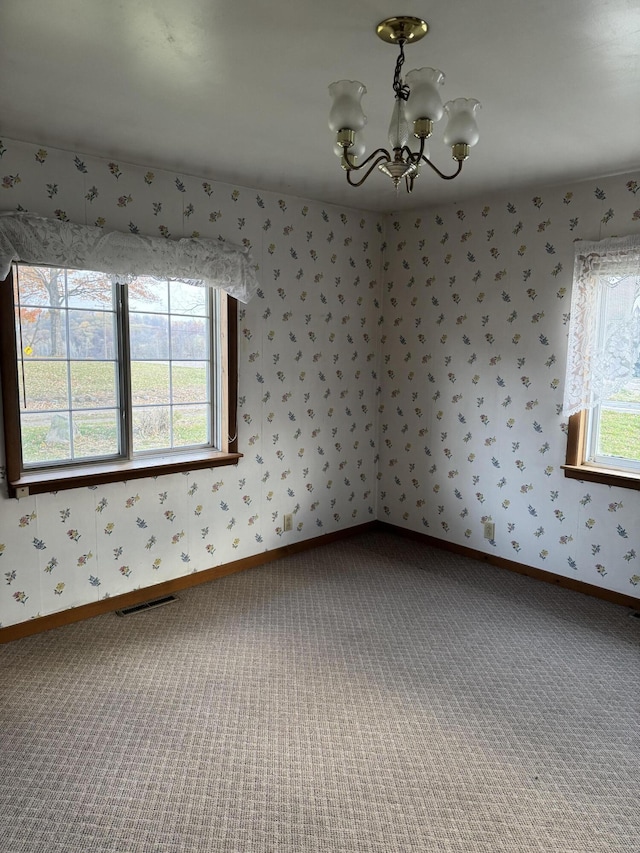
x=354, y=168
x=415, y=156
x=382, y=159
x=438, y=172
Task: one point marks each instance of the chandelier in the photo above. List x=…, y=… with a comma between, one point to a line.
x=417, y=101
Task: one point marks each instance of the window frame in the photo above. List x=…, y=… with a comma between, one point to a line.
x=582, y=432
x=576, y=467
x=23, y=482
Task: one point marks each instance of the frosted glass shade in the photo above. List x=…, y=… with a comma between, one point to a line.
x=424, y=99
x=462, y=127
x=346, y=110
x=398, y=126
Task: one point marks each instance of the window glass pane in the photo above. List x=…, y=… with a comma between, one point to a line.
x=188, y=299
x=149, y=335
x=629, y=394
x=149, y=382
x=87, y=289
x=43, y=385
x=41, y=333
x=64, y=436
x=151, y=428
x=95, y=433
x=148, y=295
x=41, y=286
x=169, y=367
x=91, y=334
x=189, y=337
x=190, y=382
x=50, y=383
x=618, y=433
x=190, y=425
x=45, y=437
x=94, y=384
x=614, y=424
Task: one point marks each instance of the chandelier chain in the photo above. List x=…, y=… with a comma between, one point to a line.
x=402, y=90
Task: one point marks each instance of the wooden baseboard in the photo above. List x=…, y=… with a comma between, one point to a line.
x=118, y=602
x=512, y=566
x=148, y=593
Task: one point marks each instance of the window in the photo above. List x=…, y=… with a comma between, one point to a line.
x=104, y=381
x=604, y=354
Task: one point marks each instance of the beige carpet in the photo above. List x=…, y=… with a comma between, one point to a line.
x=370, y=695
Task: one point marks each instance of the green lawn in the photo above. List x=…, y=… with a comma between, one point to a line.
x=93, y=383
x=92, y=386
x=620, y=430
x=620, y=434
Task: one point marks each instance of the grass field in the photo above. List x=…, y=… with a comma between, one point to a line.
x=92, y=386
x=93, y=383
x=620, y=434
x=90, y=391
x=620, y=428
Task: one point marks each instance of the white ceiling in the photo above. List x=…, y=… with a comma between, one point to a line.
x=236, y=90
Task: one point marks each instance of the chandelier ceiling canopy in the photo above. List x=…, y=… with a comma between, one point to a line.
x=417, y=108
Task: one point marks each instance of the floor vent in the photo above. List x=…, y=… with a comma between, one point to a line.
x=147, y=605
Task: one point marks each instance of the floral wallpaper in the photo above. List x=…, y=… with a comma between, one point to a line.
x=476, y=309
x=407, y=368
x=308, y=389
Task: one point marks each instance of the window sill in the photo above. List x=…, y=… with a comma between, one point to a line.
x=59, y=479
x=578, y=470
x=607, y=476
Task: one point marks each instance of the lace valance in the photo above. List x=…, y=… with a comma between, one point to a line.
x=604, y=330
x=50, y=242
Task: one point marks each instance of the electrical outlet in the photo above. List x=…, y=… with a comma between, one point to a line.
x=489, y=530
x=288, y=522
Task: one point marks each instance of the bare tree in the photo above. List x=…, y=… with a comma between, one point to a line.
x=45, y=291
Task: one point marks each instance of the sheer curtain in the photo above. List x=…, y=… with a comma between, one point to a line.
x=50, y=242
x=604, y=330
